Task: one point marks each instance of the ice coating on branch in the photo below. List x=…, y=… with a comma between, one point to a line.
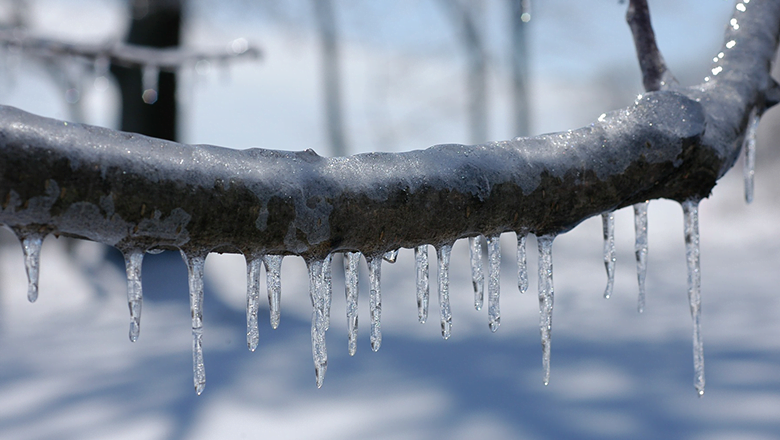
x=608, y=226
x=423, y=285
x=640, y=249
x=317, y=293
x=328, y=280
x=444, y=290
x=522, y=267
x=691, y=215
x=749, y=147
x=375, y=300
x=546, y=297
x=150, y=79
x=253, y=268
x=351, y=260
x=195, y=261
x=31, y=240
x=477, y=274
x=494, y=281
x=133, y=260
x=273, y=280
x=391, y=256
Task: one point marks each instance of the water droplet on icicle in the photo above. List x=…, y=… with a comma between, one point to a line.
x=421, y=264
x=691, y=215
x=477, y=274
x=253, y=267
x=640, y=249
x=546, y=298
x=444, y=290
x=494, y=282
x=195, y=262
x=317, y=294
x=100, y=69
x=273, y=280
x=391, y=256
x=351, y=260
x=608, y=226
x=749, y=146
x=150, y=79
x=522, y=270
x=31, y=239
x=133, y=260
x=375, y=300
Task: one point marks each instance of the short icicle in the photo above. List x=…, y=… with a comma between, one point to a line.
x=691, y=215
x=273, y=280
x=327, y=274
x=391, y=256
x=423, y=286
x=375, y=300
x=640, y=249
x=317, y=294
x=351, y=260
x=522, y=267
x=195, y=262
x=444, y=290
x=546, y=298
x=133, y=260
x=608, y=226
x=477, y=274
x=31, y=240
x=494, y=281
x=749, y=147
x=254, y=264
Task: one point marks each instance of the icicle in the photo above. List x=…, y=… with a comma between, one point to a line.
x=749, y=146
x=522, y=271
x=391, y=256
x=317, y=294
x=273, y=280
x=253, y=266
x=351, y=260
x=494, y=267
x=421, y=263
x=691, y=214
x=150, y=79
x=608, y=226
x=195, y=263
x=133, y=260
x=546, y=297
x=375, y=301
x=328, y=292
x=31, y=240
x=477, y=275
x=640, y=248
x=444, y=290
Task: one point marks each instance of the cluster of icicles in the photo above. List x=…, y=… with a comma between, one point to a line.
x=320, y=286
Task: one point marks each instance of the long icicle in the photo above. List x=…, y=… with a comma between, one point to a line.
x=477, y=274
x=317, y=294
x=444, y=290
x=522, y=267
x=546, y=298
x=254, y=264
x=31, y=239
x=494, y=281
x=608, y=226
x=133, y=260
x=195, y=262
x=351, y=260
x=691, y=214
x=273, y=280
x=749, y=147
x=423, y=285
x=375, y=300
x=327, y=274
x=640, y=249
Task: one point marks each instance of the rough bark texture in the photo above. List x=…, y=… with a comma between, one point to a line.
x=134, y=191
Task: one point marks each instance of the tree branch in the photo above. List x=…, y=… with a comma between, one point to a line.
x=137, y=192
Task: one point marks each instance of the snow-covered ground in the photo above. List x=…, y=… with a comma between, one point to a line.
x=68, y=371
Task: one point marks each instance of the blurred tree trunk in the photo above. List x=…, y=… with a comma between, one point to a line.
x=520, y=16
x=155, y=23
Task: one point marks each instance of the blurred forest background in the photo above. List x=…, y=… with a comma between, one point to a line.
x=350, y=76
